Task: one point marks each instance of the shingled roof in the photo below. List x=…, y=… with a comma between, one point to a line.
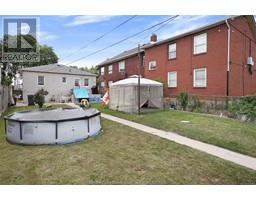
x=58, y=69
x=123, y=55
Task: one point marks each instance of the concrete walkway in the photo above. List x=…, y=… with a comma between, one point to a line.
x=234, y=157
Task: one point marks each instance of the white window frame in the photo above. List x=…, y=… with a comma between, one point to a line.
x=110, y=71
x=150, y=65
x=109, y=83
x=102, y=84
x=194, y=77
x=172, y=51
x=65, y=80
x=87, y=82
x=102, y=70
x=168, y=78
x=200, y=44
x=121, y=66
x=38, y=80
x=78, y=82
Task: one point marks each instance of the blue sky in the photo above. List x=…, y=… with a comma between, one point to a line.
x=66, y=34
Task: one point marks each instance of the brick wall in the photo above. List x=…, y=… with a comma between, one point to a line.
x=131, y=68
x=215, y=61
x=241, y=81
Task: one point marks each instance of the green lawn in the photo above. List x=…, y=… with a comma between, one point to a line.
x=228, y=133
x=119, y=155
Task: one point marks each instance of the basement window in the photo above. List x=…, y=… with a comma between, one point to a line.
x=200, y=76
x=152, y=65
x=200, y=43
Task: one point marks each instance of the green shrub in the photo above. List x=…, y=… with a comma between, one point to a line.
x=39, y=97
x=6, y=80
x=182, y=99
x=194, y=103
x=245, y=106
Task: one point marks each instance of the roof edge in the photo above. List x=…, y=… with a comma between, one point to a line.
x=58, y=73
x=197, y=30
x=118, y=59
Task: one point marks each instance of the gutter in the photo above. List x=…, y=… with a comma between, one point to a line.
x=228, y=57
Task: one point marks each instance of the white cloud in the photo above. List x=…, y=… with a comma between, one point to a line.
x=182, y=24
x=46, y=36
x=88, y=19
x=42, y=35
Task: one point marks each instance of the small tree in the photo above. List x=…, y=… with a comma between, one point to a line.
x=183, y=100
x=39, y=97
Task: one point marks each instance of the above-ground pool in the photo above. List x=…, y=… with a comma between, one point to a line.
x=52, y=126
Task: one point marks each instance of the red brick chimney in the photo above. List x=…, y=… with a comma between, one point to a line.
x=153, y=38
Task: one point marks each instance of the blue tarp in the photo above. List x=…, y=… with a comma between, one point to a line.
x=95, y=98
x=81, y=93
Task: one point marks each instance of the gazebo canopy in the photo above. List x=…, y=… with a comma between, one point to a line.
x=134, y=81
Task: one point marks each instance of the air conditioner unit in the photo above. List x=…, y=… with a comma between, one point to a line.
x=250, y=61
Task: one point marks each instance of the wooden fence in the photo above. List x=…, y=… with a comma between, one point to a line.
x=4, y=98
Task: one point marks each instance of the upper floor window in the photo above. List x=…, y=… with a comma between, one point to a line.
x=40, y=80
x=152, y=65
x=172, y=51
x=77, y=82
x=102, y=70
x=64, y=79
x=200, y=77
x=86, y=82
x=200, y=43
x=121, y=66
x=110, y=69
x=172, y=79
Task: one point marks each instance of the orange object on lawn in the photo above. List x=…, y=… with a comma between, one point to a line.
x=105, y=99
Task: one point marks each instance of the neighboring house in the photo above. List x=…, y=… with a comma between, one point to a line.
x=122, y=66
x=57, y=79
x=212, y=61
x=209, y=61
x=17, y=82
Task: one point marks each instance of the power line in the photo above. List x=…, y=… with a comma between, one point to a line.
x=103, y=35
x=164, y=24
x=120, y=41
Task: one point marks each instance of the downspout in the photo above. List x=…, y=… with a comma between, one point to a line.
x=228, y=58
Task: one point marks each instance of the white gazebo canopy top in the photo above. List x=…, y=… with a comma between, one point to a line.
x=133, y=80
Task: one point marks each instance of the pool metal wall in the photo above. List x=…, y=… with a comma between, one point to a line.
x=52, y=132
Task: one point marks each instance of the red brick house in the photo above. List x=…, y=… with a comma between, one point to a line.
x=119, y=67
x=122, y=65
x=209, y=61
x=212, y=61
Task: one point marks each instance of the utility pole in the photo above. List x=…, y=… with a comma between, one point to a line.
x=139, y=65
